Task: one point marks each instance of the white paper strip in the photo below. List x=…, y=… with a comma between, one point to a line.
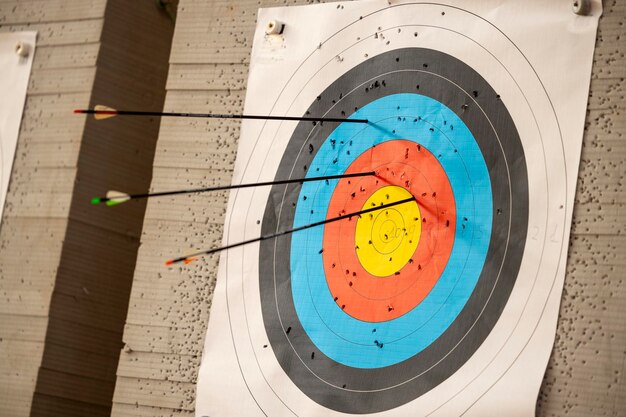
x=16, y=59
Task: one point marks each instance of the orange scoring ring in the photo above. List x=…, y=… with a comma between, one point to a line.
x=372, y=298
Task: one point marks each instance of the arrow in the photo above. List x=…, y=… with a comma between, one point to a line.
x=192, y=257
x=113, y=198
x=101, y=112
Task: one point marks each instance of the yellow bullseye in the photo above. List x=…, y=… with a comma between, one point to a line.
x=386, y=239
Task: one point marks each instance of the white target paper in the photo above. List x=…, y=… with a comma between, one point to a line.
x=16, y=59
x=495, y=93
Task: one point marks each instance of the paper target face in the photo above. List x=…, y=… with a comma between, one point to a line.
x=378, y=301
x=407, y=306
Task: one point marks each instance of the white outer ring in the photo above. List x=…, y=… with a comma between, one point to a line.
x=546, y=218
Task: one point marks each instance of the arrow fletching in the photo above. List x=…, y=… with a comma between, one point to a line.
x=104, y=112
x=113, y=198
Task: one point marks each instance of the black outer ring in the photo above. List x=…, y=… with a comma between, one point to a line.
x=360, y=391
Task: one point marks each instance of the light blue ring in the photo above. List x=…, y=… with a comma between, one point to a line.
x=357, y=343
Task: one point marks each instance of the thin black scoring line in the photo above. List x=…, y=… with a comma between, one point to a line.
x=541, y=140
x=280, y=214
x=344, y=28
x=447, y=297
x=380, y=75
x=280, y=209
x=361, y=180
x=456, y=281
x=548, y=196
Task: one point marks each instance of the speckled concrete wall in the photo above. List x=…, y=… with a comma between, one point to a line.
x=39, y=197
x=169, y=308
x=66, y=267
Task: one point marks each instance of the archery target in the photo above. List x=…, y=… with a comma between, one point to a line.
x=409, y=306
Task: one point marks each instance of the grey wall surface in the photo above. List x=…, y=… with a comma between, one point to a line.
x=43, y=281
x=66, y=267
x=40, y=193
x=169, y=308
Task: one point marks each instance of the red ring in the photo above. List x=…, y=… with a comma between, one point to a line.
x=374, y=299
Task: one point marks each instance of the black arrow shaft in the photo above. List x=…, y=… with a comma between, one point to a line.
x=297, y=229
x=220, y=116
x=237, y=186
